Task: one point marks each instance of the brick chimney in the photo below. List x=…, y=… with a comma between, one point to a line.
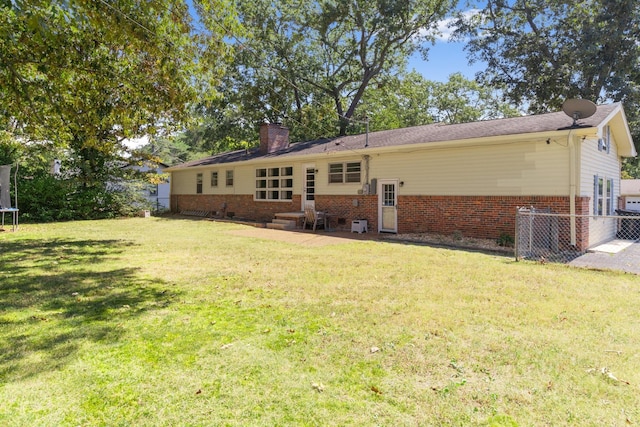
x=273, y=137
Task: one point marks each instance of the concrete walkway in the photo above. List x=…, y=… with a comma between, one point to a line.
x=626, y=258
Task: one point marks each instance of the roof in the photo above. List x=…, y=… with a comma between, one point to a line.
x=436, y=132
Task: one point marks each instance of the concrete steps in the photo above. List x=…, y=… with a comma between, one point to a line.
x=282, y=224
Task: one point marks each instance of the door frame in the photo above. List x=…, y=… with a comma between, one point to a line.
x=395, y=183
x=304, y=201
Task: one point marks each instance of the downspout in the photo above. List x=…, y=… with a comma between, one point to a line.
x=171, y=206
x=366, y=158
x=572, y=187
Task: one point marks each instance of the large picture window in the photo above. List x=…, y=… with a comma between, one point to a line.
x=274, y=183
x=348, y=172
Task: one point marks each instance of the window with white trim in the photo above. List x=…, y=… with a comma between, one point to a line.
x=199, y=183
x=214, y=178
x=604, y=143
x=602, y=195
x=348, y=172
x=229, y=176
x=274, y=183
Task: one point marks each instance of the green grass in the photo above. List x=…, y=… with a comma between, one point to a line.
x=164, y=322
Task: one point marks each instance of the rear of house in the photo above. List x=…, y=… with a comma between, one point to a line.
x=468, y=178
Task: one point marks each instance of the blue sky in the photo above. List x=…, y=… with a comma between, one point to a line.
x=445, y=58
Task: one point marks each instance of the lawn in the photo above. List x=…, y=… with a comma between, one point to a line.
x=166, y=322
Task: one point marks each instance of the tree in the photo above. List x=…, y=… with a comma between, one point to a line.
x=299, y=55
x=545, y=51
x=86, y=75
x=412, y=100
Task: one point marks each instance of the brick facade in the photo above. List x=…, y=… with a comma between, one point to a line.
x=240, y=205
x=473, y=216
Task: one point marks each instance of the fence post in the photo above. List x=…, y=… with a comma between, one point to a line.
x=515, y=239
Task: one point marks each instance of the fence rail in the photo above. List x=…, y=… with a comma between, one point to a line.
x=546, y=236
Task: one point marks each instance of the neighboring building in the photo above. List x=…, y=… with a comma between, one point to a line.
x=630, y=192
x=467, y=178
x=158, y=195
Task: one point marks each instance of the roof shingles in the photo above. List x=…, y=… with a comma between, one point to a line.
x=436, y=132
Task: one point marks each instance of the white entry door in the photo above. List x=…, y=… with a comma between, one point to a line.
x=309, y=186
x=388, y=205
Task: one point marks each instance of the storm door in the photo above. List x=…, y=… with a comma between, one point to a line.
x=309, y=186
x=388, y=205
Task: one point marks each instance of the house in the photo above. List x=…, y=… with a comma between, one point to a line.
x=630, y=194
x=468, y=178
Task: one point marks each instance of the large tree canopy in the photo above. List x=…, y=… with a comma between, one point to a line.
x=545, y=51
x=85, y=75
x=299, y=55
x=411, y=100
x=90, y=73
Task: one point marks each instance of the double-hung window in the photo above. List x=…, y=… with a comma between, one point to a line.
x=199, y=183
x=229, y=180
x=602, y=196
x=348, y=172
x=604, y=143
x=214, y=178
x=274, y=183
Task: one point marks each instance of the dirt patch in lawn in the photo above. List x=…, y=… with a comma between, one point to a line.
x=324, y=238
x=452, y=241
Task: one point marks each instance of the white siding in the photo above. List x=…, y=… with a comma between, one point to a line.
x=600, y=163
x=504, y=169
x=512, y=169
x=607, y=166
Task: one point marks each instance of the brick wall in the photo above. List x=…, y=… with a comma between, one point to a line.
x=242, y=206
x=473, y=216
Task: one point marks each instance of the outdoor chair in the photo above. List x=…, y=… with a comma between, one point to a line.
x=5, y=197
x=311, y=216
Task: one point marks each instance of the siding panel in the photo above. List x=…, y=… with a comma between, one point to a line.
x=531, y=168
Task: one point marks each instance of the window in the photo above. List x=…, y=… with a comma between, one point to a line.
x=603, y=196
x=230, y=178
x=199, y=183
x=214, y=178
x=344, y=172
x=274, y=183
x=604, y=143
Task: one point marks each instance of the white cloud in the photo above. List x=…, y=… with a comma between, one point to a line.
x=445, y=29
x=134, y=143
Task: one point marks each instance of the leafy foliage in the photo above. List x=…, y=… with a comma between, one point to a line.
x=544, y=52
x=411, y=100
x=300, y=57
x=86, y=75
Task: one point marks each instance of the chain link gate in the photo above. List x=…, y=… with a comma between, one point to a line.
x=544, y=236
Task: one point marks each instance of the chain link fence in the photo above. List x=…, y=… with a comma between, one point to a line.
x=545, y=236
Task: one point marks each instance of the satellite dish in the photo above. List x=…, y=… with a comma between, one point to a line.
x=578, y=109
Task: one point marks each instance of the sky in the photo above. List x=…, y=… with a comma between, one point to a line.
x=445, y=58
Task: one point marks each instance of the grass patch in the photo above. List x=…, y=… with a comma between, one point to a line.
x=157, y=321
